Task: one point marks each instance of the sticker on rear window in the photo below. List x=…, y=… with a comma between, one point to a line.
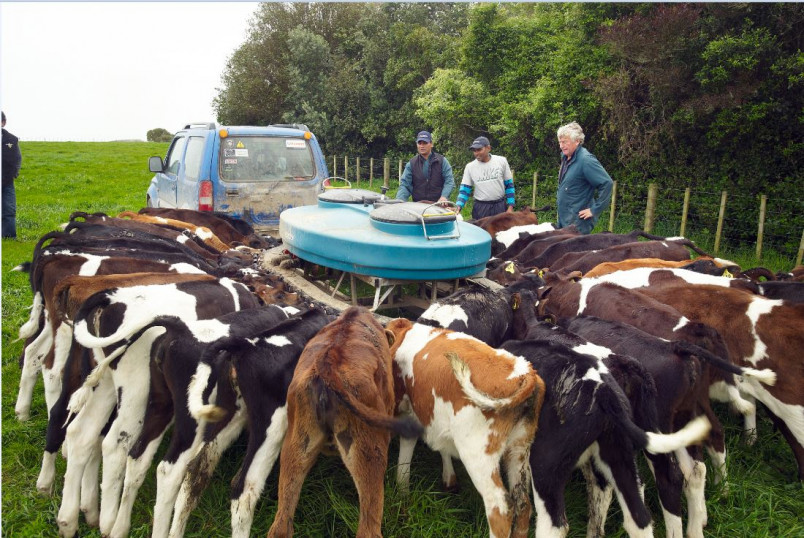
x=230, y=161
x=295, y=144
x=241, y=153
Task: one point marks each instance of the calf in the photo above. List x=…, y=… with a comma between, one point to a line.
x=673, y=250
x=790, y=291
x=702, y=264
x=262, y=367
x=475, y=403
x=759, y=332
x=124, y=311
x=342, y=394
x=504, y=221
x=173, y=359
x=485, y=313
x=586, y=418
x=502, y=240
x=226, y=229
x=537, y=243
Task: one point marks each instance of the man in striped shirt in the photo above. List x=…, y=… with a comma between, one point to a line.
x=492, y=180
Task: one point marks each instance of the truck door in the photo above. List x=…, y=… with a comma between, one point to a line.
x=167, y=181
x=192, y=172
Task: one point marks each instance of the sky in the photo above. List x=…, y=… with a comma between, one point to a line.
x=101, y=71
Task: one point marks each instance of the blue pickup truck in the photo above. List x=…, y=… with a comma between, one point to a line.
x=250, y=173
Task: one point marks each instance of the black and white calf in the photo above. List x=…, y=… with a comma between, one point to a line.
x=122, y=378
x=262, y=367
x=587, y=419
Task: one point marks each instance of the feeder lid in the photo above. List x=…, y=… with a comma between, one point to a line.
x=412, y=213
x=349, y=196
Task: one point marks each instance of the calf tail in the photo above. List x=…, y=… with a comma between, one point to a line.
x=211, y=363
x=326, y=386
x=765, y=376
x=530, y=384
x=654, y=442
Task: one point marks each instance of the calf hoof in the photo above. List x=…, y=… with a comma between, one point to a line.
x=452, y=489
x=67, y=530
x=23, y=413
x=45, y=489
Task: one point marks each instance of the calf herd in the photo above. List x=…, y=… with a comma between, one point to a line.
x=581, y=357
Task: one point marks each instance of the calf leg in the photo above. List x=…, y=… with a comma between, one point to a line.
x=89, y=486
x=33, y=358
x=598, y=493
x=364, y=451
x=406, y=447
x=694, y=472
x=263, y=450
x=300, y=449
x=82, y=434
x=619, y=468
x=670, y=483
x=519, y=481
x=137, y=465
x=200, y=469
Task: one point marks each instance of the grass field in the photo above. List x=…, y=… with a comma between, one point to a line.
x=764, y=499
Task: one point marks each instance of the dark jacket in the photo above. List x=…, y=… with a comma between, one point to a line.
x=576, y=190
x=438, y=182
x=12, y=158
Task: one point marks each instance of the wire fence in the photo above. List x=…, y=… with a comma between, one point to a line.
x=717, y=221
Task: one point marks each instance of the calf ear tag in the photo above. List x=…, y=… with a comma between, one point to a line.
x=515, y=303
x=509, y=267
x=727, y=274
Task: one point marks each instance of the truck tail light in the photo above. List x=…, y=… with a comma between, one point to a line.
x=205, y=196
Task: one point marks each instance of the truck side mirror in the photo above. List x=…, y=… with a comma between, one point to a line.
x=155, y=164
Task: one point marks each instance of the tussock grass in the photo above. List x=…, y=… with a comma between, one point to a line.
x=764, y=498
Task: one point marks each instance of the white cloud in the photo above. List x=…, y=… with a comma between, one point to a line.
x=111, y=71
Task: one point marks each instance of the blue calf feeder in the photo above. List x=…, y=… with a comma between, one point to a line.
x=383, y=241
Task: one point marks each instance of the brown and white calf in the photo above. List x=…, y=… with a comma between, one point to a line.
x=342, y=394
x=760, y=333
x=475, y=403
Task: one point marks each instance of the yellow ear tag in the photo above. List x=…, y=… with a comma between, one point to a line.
x=541, y=273
x=509, y=267
x=515, y=304
x=727, y=274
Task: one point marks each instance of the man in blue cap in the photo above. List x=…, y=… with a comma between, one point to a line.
x=492, y=180
x=428, y=175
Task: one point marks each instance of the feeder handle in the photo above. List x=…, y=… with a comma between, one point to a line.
x=327, y=183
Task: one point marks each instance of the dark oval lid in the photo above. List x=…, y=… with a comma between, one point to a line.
x=388, y=201
x=411, y=213
x=349, y=196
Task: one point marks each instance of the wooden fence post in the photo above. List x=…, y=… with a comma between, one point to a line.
x=800, y=249
x=357, y=170
x=371, y=172
x=763, y=202
x=685, y=211
x=535, y=184
x=650, y=209
x=398, y=177
x=720, y=218
x=386, y=172
x=346, y=167
x=613, y=205
x=334, y=165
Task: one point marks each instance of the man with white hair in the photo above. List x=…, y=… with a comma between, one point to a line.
x=12, y=158
x=581, y=176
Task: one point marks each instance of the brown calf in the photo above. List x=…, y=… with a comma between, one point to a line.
x=342, y=393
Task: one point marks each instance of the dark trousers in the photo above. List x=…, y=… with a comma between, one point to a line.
x=482, y=209
x=9, y=209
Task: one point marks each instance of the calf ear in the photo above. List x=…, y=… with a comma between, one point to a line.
x=575, y=276
x=516, y=301
x=391, y=337
x=543, y=292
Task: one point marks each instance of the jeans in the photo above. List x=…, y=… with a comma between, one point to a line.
x=9, y=209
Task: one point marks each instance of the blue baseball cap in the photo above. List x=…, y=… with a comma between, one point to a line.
x=424, y=135
x=480, y=142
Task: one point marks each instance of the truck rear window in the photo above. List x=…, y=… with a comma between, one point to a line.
x=263, y=158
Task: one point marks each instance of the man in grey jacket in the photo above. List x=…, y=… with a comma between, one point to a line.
x=428, y=175
x=580, y=176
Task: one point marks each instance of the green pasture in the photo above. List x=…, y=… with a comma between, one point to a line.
x=763, y=497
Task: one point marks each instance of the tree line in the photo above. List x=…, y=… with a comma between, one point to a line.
x=695, y=95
